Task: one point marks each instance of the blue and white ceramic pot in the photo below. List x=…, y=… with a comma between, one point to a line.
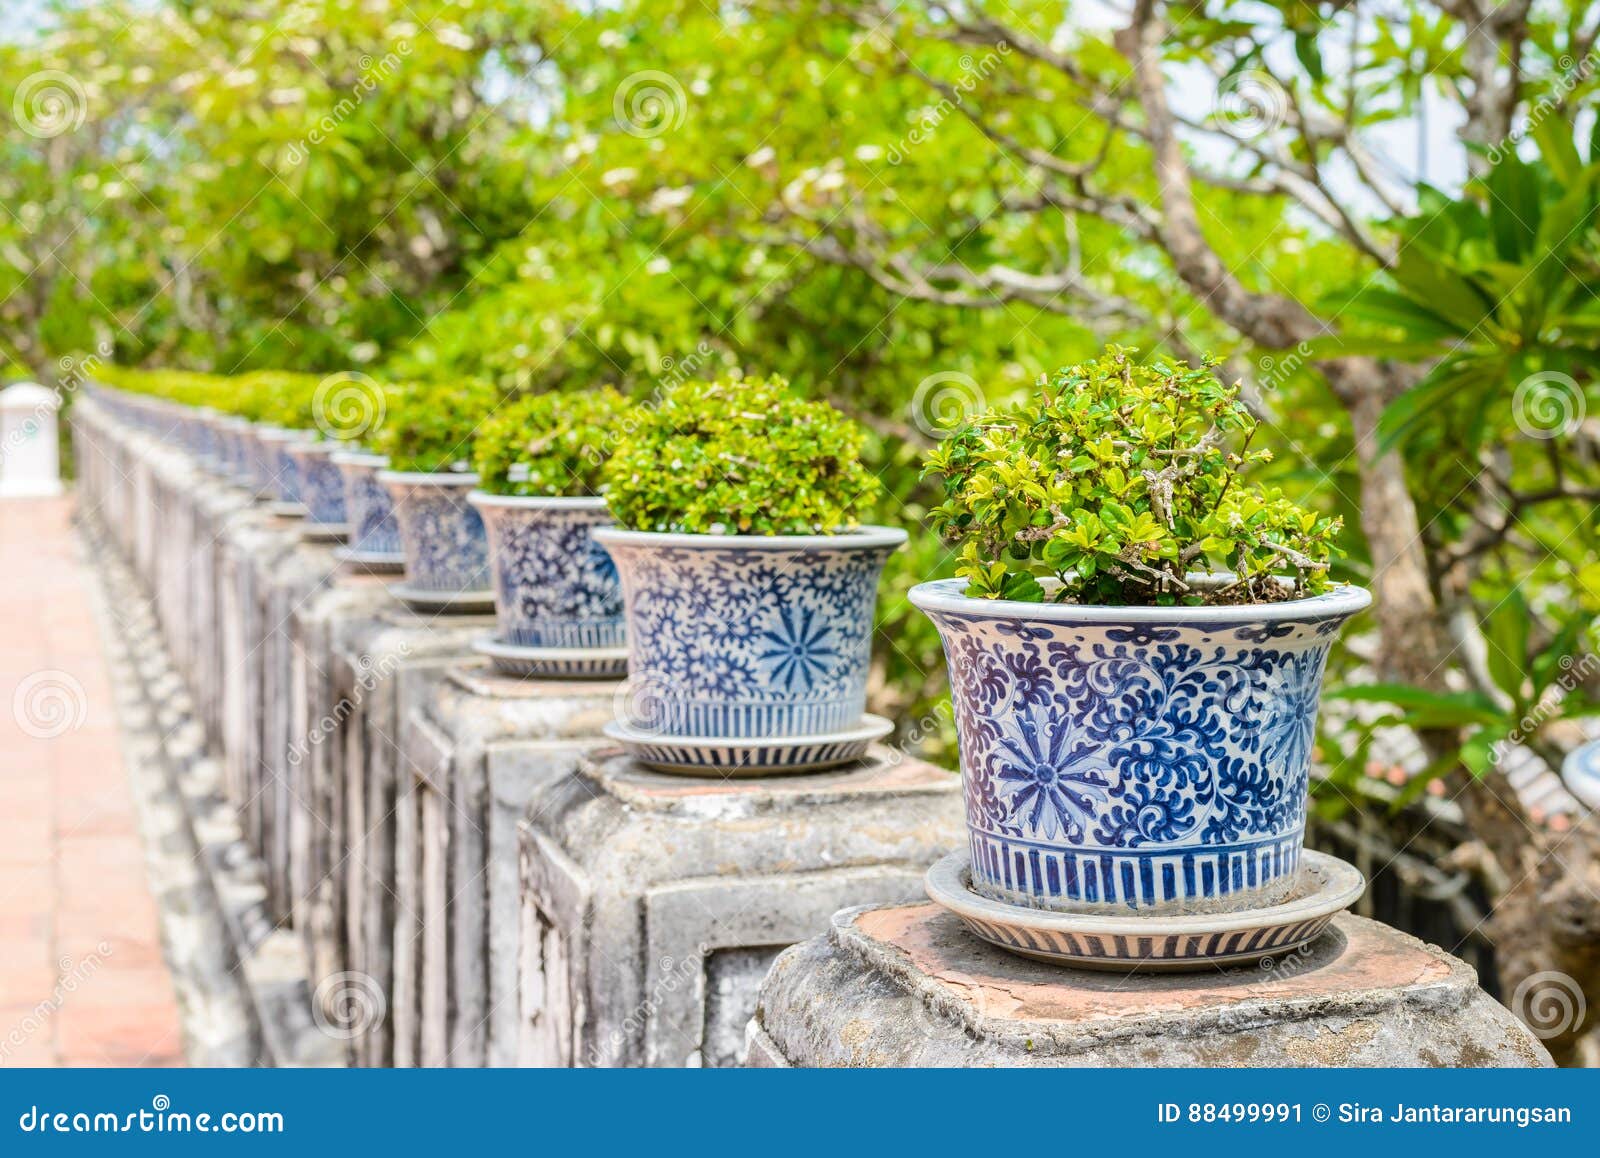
x=749, y=636
x=234, y=458
x=554, y=586
x=197, y=434
x=263, y=447
x=283, y=476
x=211, y=453
x=369, y=510
x=1135, y=758
x=321, y=484
x=441, y=533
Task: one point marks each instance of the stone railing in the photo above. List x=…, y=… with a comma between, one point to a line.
x=477, y=878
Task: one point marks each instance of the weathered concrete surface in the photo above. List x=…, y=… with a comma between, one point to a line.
x=477, y=750
x=651, y=904
x=384, y=664
x=267, y=574
x=317, y=836
x=226, y=577
x=242, y=983
x=909, y=986
x=296, y=671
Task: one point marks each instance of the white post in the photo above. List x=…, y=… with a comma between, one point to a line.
x=30, y=463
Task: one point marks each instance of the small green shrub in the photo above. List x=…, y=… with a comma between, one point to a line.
x=181, y=386
x=430, y=427
x=279, y=398
x=738, y=456
x=1119, y=481
x=549, y=444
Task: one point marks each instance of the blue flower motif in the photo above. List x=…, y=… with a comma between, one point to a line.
x=1056, y=779
x=1289, y=731
x=798, y=650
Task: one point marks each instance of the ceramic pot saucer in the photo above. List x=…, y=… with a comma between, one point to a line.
x=1580, y=771
x=372, y=562
x=553, y=662
x=458, y=602
x=729, y=756
x=287, y=510
x=324, y=532
x=1325, y=885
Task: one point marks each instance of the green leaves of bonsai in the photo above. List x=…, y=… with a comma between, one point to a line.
x=430, y=428
x=738, y=456
x=549, y=444
x=1119, y=481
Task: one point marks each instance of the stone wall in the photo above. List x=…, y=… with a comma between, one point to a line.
x=409, y=809
x=466, y=874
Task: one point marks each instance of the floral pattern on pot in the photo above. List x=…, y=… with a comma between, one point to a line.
x=263, y=443
x=235, y=449
x=748, y=636
x=284, y=476
x=369, y=510
x=210, y=449
x=1149, y=758
x=321, y=484
x=441, y=533
x=196, y=434
x=554, y=586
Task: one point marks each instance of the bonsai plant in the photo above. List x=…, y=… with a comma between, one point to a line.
x=557, y=601
x=1136, y=642
x=749, y=587
x=426, y=434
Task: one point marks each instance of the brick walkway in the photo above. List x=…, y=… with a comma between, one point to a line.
x=81, y=975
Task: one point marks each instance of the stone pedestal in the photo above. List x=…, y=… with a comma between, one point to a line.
x=385, y=665
x=320, y=705
x=653, y=904
x=909, y=986
x=267, y=572
x=476, y=752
